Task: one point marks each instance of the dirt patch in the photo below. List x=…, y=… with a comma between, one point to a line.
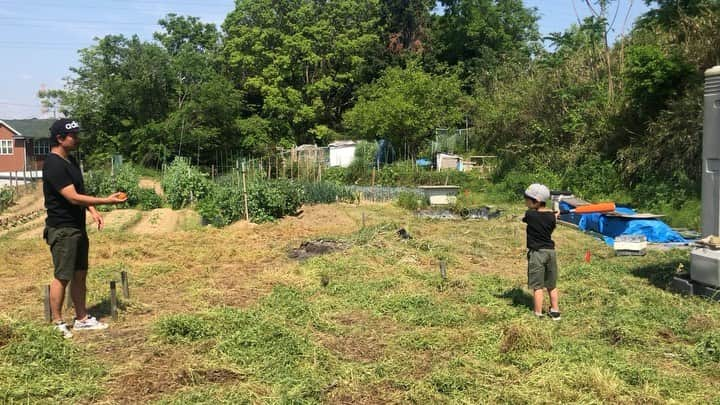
x=161, y=220
x=317, y=247
x=151, y=183
x=217, y=375
x=119, y=219
x=366, y=348
x=362, y=337
x=6, y=335
x=381, y=393
x=30, y=230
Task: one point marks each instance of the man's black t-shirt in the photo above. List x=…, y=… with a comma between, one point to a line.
x=540, y=226
x=59, y=173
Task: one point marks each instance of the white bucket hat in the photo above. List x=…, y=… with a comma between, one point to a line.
x=538, y=192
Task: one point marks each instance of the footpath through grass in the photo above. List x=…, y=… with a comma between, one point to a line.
x=377, y=324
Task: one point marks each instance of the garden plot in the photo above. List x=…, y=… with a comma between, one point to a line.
x=223, y=315
x=163, y=220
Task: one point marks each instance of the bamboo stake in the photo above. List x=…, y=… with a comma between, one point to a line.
x=247, y=213
x=124, y=284
x=46, y=303
x=113, y=301
x=68, y=296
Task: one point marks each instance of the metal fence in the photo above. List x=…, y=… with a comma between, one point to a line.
x=381, y=194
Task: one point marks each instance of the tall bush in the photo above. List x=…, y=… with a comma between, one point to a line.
x=267, y=200
x=183, y=184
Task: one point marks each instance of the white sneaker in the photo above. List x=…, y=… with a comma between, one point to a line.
x=63, y=328
x=89, y=323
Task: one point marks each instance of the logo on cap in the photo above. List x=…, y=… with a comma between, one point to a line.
x=72, y=125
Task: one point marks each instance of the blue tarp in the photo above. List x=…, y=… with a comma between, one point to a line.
x=655, y=230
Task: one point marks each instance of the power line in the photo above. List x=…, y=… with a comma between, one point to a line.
x=21, y=105
x=131, y=4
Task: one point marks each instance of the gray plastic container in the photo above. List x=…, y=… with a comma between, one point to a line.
x=705, y=263
x=711, y=154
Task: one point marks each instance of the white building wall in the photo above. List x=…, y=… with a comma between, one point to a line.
x=342, y=155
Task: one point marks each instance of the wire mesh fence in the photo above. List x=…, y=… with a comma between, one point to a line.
x=382, y=193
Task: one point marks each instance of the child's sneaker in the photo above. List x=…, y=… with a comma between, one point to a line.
x=554, y=315
x=63, y=328
x=539, y=316
x=89, y=323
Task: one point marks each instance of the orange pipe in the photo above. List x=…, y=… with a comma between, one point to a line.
x=599, y=207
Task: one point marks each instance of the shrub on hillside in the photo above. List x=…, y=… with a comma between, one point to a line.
x=512, y=185
x=184, y=184
x=148, y=199
x=335, y=174
x=222, y=206
x=412, y=201
x=267, y=200
x=101, y=183
x=361, y=166
x=405, y=174
x=6, y=197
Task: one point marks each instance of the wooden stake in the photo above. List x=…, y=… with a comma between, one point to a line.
x=247, y=213
x=124, y=284
x=68, y=296
x=46, y=303
x=363, y=220
x=443, y=270
x=113, y=301
x=237, y=171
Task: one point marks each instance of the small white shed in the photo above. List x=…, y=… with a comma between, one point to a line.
x=441, y=195
x=342, y=153
x=447, y=161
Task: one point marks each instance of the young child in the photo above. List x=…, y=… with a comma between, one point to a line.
x=542, y=263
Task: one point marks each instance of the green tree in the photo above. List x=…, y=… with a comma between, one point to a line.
x=205, y=102
x=122, y=84
x=479, y=36
x=406, y=105
x=299, y=62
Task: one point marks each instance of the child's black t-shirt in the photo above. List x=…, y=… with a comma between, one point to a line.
x=540, y=226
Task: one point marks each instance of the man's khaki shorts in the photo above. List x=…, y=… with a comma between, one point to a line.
x=69, y=248
x=542, y=269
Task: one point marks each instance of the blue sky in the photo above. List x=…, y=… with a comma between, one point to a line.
x=39, y=39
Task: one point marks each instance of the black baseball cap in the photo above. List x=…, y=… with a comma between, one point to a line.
x=64, y=126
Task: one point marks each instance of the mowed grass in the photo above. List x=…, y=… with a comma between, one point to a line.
x=225, y=317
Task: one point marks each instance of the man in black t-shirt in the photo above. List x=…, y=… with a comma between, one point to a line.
x=65, y=233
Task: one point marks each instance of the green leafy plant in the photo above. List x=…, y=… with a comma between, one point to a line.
x=274, y=199
x=184, y=184
x=126, y=179
x=6, y=197
x=412, y=201
x=148, y=199
x=326, y=192
x=267, y=200
x=222, y=206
